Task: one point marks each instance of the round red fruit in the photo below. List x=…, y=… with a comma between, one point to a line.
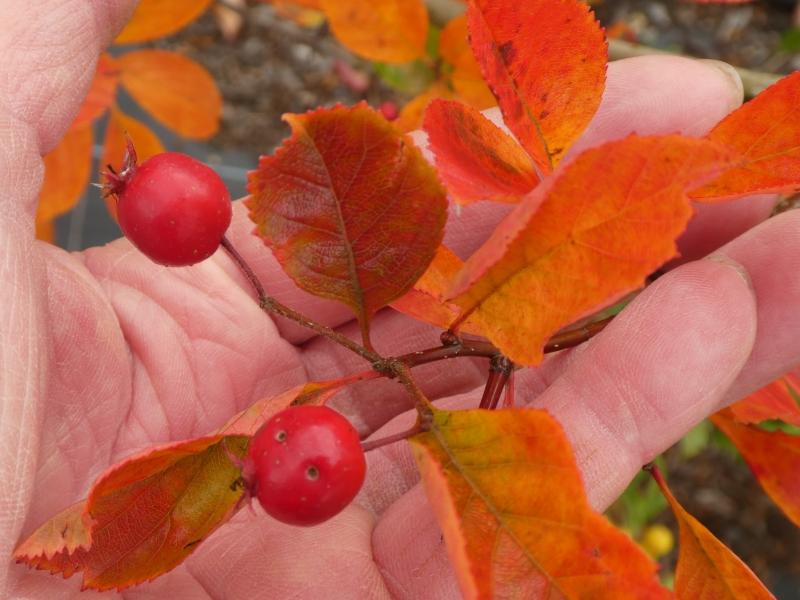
x=305, y=465
x=173, y=208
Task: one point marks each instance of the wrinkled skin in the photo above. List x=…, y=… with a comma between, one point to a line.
x=103, y=353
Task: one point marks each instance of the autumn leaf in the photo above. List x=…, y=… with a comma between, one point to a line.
x=545, y=62
x=475, y=158
x=778, y=400
x=425, y=301
x=508, y=494
x=774, y=458
x=249, y=420
x=583, y=238
x=101, y=93
x=465, y=78
x=707, y=569
x=150, y=512
x=392, y=31
x=67, y=532
x=153, y=19
x=45, y=230
x=413, y=112
x=349, y=207
x=144, y=139
x=176, y=90
x=765, y=131
x=66, y=172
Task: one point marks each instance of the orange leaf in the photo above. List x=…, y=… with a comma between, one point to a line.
x=466, y=78
x=101, y=93
x=158, y=18
x=66, y=173
x=774, y=458
x=249, y=420
x=425, y=301
x=508, y=494
x=545, y=62
x=475, y=158
x=151, y=511
x=174, y=89
x=583, y=238
x=350, y=208
x=65, y=533
x=392, y=31
x=46, y=230
x=706, y=567
x=765, y=131
x=778, y=400
x=146, y=142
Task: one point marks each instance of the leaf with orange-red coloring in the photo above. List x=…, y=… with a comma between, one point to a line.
x=545, y=61
x=149, y=512
x=350, y=208
x=392, y=31
x=153, y=19
x=773, y=456
x=66, y=172
x=475, y=158
x=425, y=301
x=144, y=139
x=508, y=495
x=65, y=533
x=765, y=131
x=101, y=93
x=466, y=78
x=45, y=230
x=413, y=112
x=707, y=568
x=583, y=238
x=778, y=400
x=249, y=420
x=176, y=90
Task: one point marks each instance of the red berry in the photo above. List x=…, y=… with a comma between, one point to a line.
x=305, y=464
x=172, y=207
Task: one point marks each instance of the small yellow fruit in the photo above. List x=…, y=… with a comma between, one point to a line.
x=657, y=540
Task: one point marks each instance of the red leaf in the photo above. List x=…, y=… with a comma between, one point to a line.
x=706, y=567
x=102, y=92
x=150, y=512
x=475, y=158
x=583, y=238
x=778, y=400
x=508, y=494
x=350, y=208
x=545, y=62
x=774, y=458
x=65, y=533
x=765, y=131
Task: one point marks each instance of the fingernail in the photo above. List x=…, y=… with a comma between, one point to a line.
x=737, y=88
x=727, y=261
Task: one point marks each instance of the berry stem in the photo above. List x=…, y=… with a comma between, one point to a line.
x=271, y=305
x=391, y=439
x=500, y=369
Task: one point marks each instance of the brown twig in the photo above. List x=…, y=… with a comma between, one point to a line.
x=500, y=369
x=271, y=305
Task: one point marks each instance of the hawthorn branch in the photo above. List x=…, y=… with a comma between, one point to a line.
x=391, y=439
x=500, y=370
x=271, y=305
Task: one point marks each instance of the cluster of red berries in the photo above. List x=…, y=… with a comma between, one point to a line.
x=306, y=463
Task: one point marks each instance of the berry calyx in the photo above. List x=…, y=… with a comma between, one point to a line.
x=305, y=465
x=172, y=207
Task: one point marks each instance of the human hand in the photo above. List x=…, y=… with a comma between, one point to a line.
x=103, y=353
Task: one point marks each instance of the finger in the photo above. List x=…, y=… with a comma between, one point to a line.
x=662, y=366
x=47, y=56
x=646, y=95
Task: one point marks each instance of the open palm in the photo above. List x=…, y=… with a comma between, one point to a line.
x=103, y=353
